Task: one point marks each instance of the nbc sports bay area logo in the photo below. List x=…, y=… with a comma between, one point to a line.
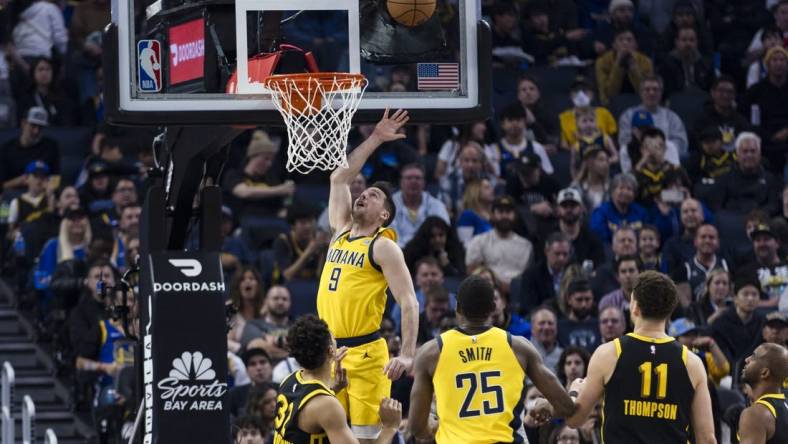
x=191, y=385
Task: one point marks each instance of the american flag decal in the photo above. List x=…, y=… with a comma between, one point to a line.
x=438, y=76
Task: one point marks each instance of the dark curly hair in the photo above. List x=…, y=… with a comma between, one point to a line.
x=656, y=295
x=420, y=246
x=569, y=351
x=308, y=340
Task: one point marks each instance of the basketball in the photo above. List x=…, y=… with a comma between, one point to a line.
x=410, y=12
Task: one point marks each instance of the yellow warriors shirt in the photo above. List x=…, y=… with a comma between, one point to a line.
x=352, y=293
x=479, y=388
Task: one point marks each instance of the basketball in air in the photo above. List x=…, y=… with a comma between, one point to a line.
x=410, y=12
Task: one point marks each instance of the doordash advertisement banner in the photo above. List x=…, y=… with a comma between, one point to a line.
x=187, y=51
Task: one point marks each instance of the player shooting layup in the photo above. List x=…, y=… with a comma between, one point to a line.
x=653, y=386
x=363, y=260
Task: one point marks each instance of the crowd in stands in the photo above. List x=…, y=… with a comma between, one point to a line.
x=627, y=136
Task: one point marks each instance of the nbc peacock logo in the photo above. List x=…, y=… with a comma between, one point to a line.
x=191, y=384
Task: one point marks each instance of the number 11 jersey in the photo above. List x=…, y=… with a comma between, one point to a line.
x=479, y=388
x=648, y=399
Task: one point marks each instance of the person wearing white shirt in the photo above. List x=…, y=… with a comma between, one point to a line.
x=413, y=204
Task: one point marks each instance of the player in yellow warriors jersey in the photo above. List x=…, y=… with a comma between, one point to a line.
x=766, y=420
x=363, y=260
x=307, y=412
x=477, y=373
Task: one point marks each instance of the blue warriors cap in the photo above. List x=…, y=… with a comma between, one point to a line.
x=37, y=167
x=642, y=118
x=681, y=327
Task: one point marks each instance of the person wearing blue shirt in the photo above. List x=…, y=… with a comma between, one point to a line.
x=477, y=203
x=71, y=243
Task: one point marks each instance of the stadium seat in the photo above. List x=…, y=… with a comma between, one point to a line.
x=260, y=232
x=688, y=105
x=303, y=296
x=313, y=194
x=553, y=81
x=618, y=104
x=266, y=264
x=732, y=232
x=452, y=283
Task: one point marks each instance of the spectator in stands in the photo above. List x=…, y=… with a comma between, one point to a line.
x=779, y=223
x=690, y=278
x=414, y=204
x=504, y=318
x=436, y=307
x=505, y=252
x=547, y=45
x=748, y=185
x=357, y=187
x=97, y=188
x=46, y=93
x=31, y=18
x=68, y=279
x=235, y=251
x=47, y=226
x=72, y=242
x=471, y=168
x=780, y=14
x=685, y=69
x=704, y=346
x=33, y=203
x=428, y=273
x=582, y=96
x=128, y=229
x=721, y=113
x=477, y=208
x=621, y=16
x=572, y=364
x=300, y=253
x=436, y=239
x=538, y=118
x=711, y=161
x=631, y=153
x=534, y=192
x=775, y=329
x=738, y=329
x=623, y=68
x=544, y=332
x=715, y=300
x=765, y=102
x=542, y=280
x=627, y=270
x=605, y=277
x=680, y=249
x=107, y=216
x=771, y=36
x=648, y=249
x=670, y=123
x=89, y=16
x=256, y=189
x=586, y=246
x=589, y=141
x=250, y=430
x=262, y=404
x=593, y=176
x=685, y=15
x=769, y=267
x=620, y=210
x=507, y=43
x=449, y=154
x=579, y=327
x=514, y=143
x=246, y=295
x=654, y=173
x=269, y=331
x=259, y=369
x=612, y=323
x=31, y=145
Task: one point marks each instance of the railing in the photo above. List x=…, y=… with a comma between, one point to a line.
x=28, y=420
x=6, y=400
x=50, y=437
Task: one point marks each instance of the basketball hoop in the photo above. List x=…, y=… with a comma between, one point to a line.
x=318, y=109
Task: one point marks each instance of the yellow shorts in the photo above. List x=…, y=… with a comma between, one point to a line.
x=367, y=386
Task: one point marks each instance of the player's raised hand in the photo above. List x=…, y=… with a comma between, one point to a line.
x=340, y=374
x=388, y=128
x=390, y=413
x=397, y=366
x=540, y=413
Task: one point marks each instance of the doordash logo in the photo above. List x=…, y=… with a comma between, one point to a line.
x=189, y=267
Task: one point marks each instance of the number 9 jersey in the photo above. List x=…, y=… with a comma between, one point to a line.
x=352, y=293
x=479, y=388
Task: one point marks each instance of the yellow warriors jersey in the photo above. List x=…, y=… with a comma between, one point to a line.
x=479, y=388
x=352, y=293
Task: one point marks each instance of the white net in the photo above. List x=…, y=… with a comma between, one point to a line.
x=318, y=110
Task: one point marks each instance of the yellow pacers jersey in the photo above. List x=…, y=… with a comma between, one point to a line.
x=352, y=293
x=479, y=388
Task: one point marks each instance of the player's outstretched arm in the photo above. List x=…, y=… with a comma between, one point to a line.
x=755, y=425
x=339, y=202
x=421, y=392
x=330, y=416
x=702, y=420
x=544, y=379
x=590, y=389
x=389, y=256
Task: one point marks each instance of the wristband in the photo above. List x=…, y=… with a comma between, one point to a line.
x=573, y=393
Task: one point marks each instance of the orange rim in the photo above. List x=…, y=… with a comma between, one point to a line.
x=330, y=81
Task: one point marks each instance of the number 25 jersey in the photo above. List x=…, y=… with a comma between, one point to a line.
x=479, y=388
x=352, y=293
x=648, y=399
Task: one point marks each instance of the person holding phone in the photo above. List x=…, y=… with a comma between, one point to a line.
x=654, y=174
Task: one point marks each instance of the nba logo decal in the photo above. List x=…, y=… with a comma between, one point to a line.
x=149, y=66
